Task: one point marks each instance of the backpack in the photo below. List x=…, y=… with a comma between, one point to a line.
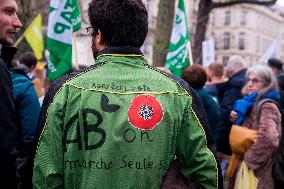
x=278, y=156
x=278, y=160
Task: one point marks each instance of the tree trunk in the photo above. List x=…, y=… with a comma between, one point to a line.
x=163, y=31
x=205, y=7
x=147, y=47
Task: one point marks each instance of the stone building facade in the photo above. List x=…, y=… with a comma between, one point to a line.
x=246, y=30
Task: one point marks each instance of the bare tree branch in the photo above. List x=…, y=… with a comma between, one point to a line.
x=255, y=2
x=28, y=10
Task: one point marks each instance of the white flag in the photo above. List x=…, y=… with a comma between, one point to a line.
x=64, y=19
x=208, y=52
x=272, y=51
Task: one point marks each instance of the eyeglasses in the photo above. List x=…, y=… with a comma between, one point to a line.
x=254, y=80
x=90, y=31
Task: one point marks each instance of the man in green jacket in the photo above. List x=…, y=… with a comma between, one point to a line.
x=121, y=123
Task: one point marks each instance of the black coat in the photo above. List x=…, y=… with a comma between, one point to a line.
x=280, y=78
x=228, y=94
x=8, y=123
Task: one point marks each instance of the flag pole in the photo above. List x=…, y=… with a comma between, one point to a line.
x=75, y=51
x=19, y=40
x=189, y=53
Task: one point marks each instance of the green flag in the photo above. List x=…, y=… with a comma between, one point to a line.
x=64, y=19
x=178, y=56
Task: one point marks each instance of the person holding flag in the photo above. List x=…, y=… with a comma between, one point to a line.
x=120, y=123
x=179, y=53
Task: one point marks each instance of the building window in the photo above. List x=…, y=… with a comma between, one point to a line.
x=257, y=44
x=226, y=39
x=213, y=36
x=243, y=18
x=213, y=19
x=227, y=18
x=263, y=45
x=225, y=60
x=242, y=41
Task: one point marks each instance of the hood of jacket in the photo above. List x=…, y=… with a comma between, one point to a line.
x=21, y=69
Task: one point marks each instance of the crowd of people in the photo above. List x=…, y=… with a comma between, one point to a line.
x=122, y=123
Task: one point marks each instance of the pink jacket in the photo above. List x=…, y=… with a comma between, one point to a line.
x=259, y=156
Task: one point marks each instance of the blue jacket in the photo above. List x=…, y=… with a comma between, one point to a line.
x=211, y=109
x=26, y=103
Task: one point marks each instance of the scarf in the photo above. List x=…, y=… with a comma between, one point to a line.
x=244, y=105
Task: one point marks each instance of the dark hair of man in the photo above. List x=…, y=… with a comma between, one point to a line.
x=28, y=59
x=195, y=76
x=275, y=63
x=121, y=22
x=217, y=69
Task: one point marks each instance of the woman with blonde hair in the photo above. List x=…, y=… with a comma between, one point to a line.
x=260, y=84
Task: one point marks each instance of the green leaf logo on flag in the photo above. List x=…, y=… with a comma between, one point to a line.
x=64, y=19
x=178, y=56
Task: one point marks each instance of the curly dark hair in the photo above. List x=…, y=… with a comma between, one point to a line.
x=195, y=76
x=121, y=22
x=28, y=59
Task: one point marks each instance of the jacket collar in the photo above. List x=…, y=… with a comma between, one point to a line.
x=121, y=50
x=22, y=68
x=238, y=79
x=7, y=53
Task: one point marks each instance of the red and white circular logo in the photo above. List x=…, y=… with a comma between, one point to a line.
x=145, y=112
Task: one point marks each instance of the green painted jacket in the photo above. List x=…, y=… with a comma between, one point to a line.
x=119, y=124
